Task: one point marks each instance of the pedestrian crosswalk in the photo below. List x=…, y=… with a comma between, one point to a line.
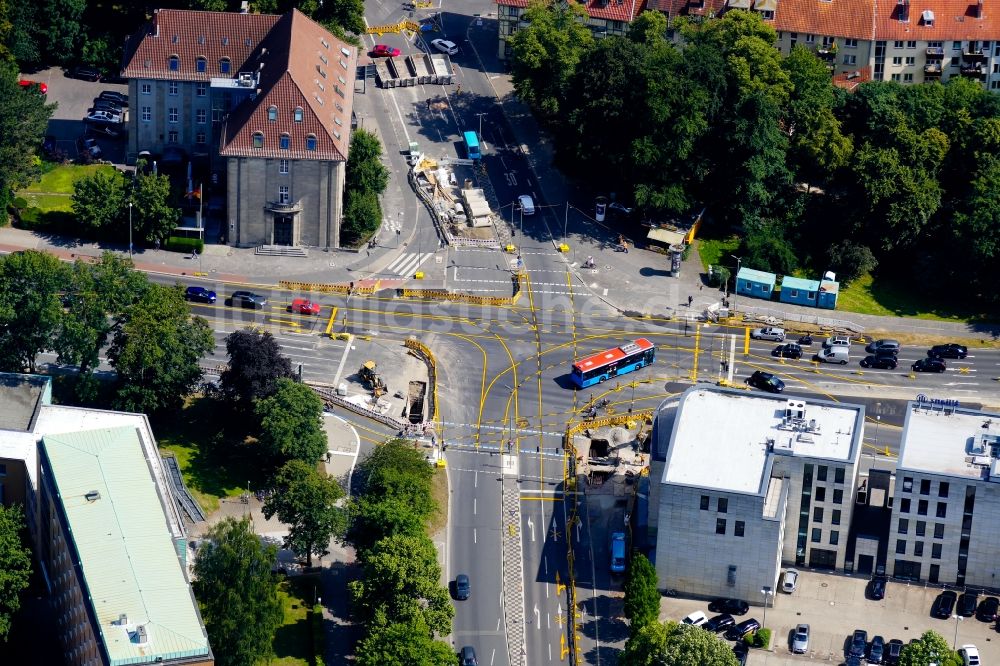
x=407, y=263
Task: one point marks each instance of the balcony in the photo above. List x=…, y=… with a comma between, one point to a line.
x=975, y=71
x=973, y=55
x=935, y=52
x=828, y=53
x=932, y=70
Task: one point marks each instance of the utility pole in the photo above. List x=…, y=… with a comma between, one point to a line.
x=736, y=284
x=565, y=221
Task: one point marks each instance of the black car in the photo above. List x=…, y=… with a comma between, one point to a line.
x=880, y=361
x=765, y=381
x=966, y=606
x=928, y=365
x=876, y=650
x=943, y=605
x=462, y=587
x=121, y=99
x=105, y=105
x=950, y=350
x=740, y=630
x=84, y=73
x=788, y=350
x=110, y=129
x=876, y=588
x=719, y=623
x=730, y=606
x=892, y=651
x=199, y=295
x=884, y=346
x=987, y=611
x=246, y=299
x=859, y=643
x=467, y=657
x=742, y=651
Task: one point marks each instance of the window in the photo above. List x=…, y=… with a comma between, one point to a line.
x=938, y=530
x=897, y=60
x=942, y=509
x=956, y=46
x=907, y=78
x=901, y=546
x=172, y=88
x=850, y=59
x=258, y=140
x=297, y=114
x=200, y=65
x=821, y=472
x=935, y=551
x=200, y=116
x=898, y=44
x=907, y=484
x=810, y=39
x=911, y=60
x=201, y=89
x=904, y=526
x=835, y=517
x=225, y=66
x=918, y=549
x=817, y=535
x=818, y=514
x=147, y=114
x=943, y=489
x=921, y=528
x=174, y=63
x=272, y=113
x=311, y=142
x=172, y=115
x=935, y=45
x=146, y=89
x=720, y=525
x=851, y=43
x=834, y=537
x=838, y=474
x=723, y=505
x=284, y=197
x=820, y=494
x=283, y=166
x=922, y=507
x=285, y=142
x=740, y=526
x=172, y=136
x=995, y=85
x=911, y=44
x=199, y=137
x=704, y=502
x=838, y=496
x=904, y=505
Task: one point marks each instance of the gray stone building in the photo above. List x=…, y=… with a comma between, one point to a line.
x=261, y=103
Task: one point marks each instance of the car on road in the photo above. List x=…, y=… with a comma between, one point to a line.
x=384, y=51
x=246, y=299
x=876, y=650
x=304, y=306
x=463, y=588
x=876, y=588
x=837, y=341
x=790, y=581
x=886, y=345
x=859, y=643
x=719, y=623
x=882, y=362
x=800, y=639
x=695, y=619
x=928, y=365
x=33, y=85
x=893, y=649
x=950, y=350
x=119, y=98
x=467, y=657
x=731, y=606
x=765, y=381
x=740, y=630
x=199, y=295
x=967, y=602
x=768, y=333
x=89, y=145
x=787, y=350
x=84, y=73
x=445, y=46
x=526, y=204
x=987, y=611
x=100, y=116
x=943, y=605
x=742, y=651
x=969, y=655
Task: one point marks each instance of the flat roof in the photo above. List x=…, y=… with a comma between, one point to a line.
x=753, y=275
x=129, y=560
x=950, y=441
x=799, y=283
x=724, y=438
x=20, y=398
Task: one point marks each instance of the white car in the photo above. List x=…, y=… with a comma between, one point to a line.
x=837, y=341
x=969, y=655
x=527, y=204
x=444, y=46
x=696, y=619
x=103, y=117
x=791, y=581
x=768, y=333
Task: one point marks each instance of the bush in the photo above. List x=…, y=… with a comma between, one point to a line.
x=20, y=203
x=761, y=638
x=178, y=244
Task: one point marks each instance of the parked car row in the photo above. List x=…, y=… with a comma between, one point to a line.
x=107, y=114
x=249, y=300
x=876, y=651
x=725, y=623
x=965, y=605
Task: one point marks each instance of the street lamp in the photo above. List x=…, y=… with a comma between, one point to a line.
x=481, y=124
x=736, y=282
x=130, y=229
x=878, y=420
x=954, y=643
x=766, y=590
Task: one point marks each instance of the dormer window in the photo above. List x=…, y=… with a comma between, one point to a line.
x=311, y=142
x=272, y=113
x=258, y=139
x=297, y=115
x=174, y=63
x=201, y=64
x=225, y=66
x=285, y=142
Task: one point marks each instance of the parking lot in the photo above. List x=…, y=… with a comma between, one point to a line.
x=835, y=605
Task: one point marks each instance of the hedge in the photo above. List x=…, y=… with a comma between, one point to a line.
x=178, y=244
x=761, y=638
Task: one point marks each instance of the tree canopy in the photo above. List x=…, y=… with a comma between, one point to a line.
x=307, y=503
x=255, y=366
x=291, y=423
x=366, y=178
x=930, y=648
x=30, y=307
x=403, y=644
x=642, y=593
x=15, y=565
x=676, y=644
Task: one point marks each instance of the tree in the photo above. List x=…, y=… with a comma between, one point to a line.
x=851, y=260
x=291, y=423
x=30, y=310
x=362, y=215
x=155, y=216
x=676, y=644
x=23, y=121
x=929, y=648
x=346, y=14
x=255, y=366
x=400, y=583
x=365, y=171
x=403, y=644
x=64, y=28
x=99, y=202
x=642, y=594
x=237, y=593
x=373, y=518
x=156, y=351
x=396, y=470
x=766, y=249
x=306, y=502
x=15, y=565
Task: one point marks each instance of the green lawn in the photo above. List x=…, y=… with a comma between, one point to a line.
x=60, y=179
x=49, y=200
x=293, y=643
x=865, y=296
x=715, y=251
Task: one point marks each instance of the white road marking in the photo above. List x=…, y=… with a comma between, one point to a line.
x=407, y=263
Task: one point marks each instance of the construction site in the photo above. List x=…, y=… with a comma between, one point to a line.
x=461, y=209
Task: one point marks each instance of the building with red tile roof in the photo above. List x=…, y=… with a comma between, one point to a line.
x=262, y=102
x=606, y=17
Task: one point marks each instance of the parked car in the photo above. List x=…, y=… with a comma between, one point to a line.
x=742, y=651
x=246, y=299
x=892, y=651
x=859, y=643
x=886, y=345
x=119, y=98
x=199, y=295
x=33, y=85
x=800, y=639
x=837, y=341
x=768, y=333
x=89, y=145
x=732, y=606
x=384, y=51
x=765, y=381
x=967, y=602
x=950, y=350
x=886, y=362
x=85, y=73
x=788, y=350
x=740, y=630
x=112, y=130
x=928, y=365
x=876, y=650
x=695, y=619
x=467, y=657
x=790, y=581
x=876, y=588
x=719, y=623
x=526, y=204
x=105, y=105
x=987, y=611
x=969, y=655
x=304, y=306
x=444, y=46
x=943, y=605
x=463, y=587
x=103, y=117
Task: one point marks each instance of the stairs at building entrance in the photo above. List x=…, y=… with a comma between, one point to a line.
x=281, y=251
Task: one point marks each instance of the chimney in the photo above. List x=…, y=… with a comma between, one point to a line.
x=979, y=9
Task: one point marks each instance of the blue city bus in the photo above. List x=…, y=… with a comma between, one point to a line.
x=472, y=146
x=614, y=362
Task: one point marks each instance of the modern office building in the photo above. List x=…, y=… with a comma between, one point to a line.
x=752, y=482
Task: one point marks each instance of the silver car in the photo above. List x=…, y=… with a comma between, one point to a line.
x=800, y=639
x=791, y=581
x=768, y=333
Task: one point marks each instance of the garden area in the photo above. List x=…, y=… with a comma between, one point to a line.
x=49, y=202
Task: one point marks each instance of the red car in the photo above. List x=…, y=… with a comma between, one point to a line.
x=382, y=50
x=304, y=306
x=42, y=88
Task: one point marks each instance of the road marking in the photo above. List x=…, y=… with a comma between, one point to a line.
x=475, y=536
x=540, y=499
x=474, y=506
x=407, y=263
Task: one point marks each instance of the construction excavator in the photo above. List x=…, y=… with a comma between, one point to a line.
x=371, y=379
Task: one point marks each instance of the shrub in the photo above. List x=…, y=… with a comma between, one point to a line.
x=20, y=203
x=761, y=638
x=178, y=244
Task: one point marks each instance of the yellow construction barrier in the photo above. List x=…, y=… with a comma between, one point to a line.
x=442, y=295
x=330, y=288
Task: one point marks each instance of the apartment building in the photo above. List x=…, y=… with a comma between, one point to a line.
x=752, y=482
x=261, y=105
x=946, y=502
x=604, y=17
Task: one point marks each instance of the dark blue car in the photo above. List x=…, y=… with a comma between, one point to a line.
x=199, y=295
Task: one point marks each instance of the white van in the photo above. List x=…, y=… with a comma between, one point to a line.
x=836, y=354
